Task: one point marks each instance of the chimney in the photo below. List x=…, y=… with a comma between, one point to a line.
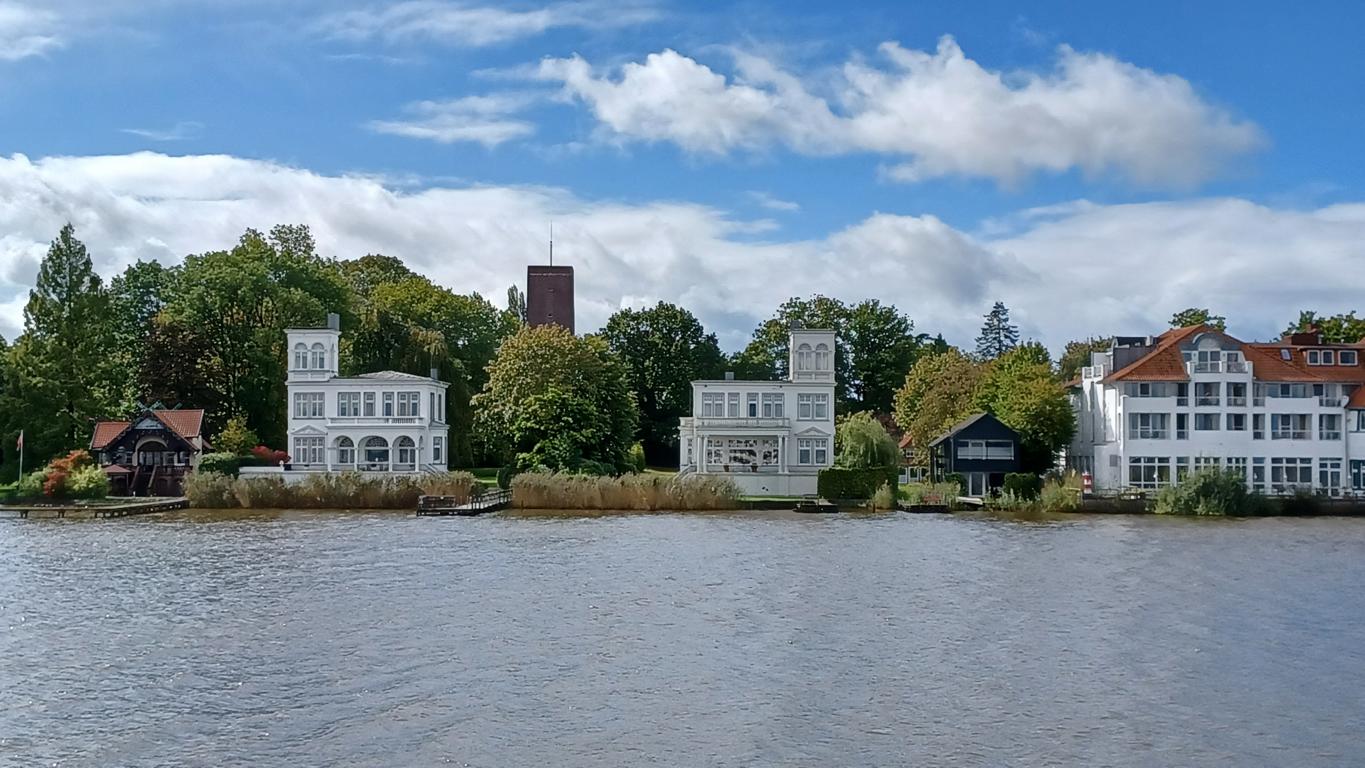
x=333, y=321
x=729, y=375
x=435, y=373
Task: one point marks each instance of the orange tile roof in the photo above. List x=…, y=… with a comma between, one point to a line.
x=105, y=431
x=186, y=423
x=1166, y=363
x=1357, y=399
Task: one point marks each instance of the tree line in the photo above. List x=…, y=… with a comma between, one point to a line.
x=209, y=333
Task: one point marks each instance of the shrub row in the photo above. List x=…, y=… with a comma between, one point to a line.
x=686, y=493
x=841, y=483
x=345, y=490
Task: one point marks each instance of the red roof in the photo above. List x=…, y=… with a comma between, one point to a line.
x=1357, y=399
x=1167, y=363
x=187, y=423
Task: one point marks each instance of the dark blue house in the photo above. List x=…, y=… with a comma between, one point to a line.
x=980, y=448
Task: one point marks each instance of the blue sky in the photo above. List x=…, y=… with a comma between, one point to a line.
x=1095, y=166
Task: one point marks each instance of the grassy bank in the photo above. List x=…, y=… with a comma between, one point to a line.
x=346, y=490
x=639, y=493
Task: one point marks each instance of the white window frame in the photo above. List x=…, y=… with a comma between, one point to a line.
x=1341, y=358
x=1236, y=422
x=1149, y=426
x=367, y=404
x=309, y=405
x=348, y=404
x=1329, y=426
x=1207, y=419
x=308, y=450
x=438, y=450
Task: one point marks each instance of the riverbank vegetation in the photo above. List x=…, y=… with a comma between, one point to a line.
x=642, y=492
x=345, y=490
x=1213, y=492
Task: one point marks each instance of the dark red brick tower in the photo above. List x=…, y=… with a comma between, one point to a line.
x=549, y=296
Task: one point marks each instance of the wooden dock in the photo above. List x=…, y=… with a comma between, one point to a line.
x=95, y=511
x=480, y=504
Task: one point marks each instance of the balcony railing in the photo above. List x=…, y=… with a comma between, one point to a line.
x=1218, y=366
x=1206, y=400
x=341, y=420
x=741, y=422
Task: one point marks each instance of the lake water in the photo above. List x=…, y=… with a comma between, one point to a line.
x=301, y=639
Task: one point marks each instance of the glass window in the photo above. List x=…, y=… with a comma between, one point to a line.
x=753, y=405
x=1149, y=426
x=1206, y=392
x=300, y=357
x=821, y=402
x=438, y=450
x=1329, y=426
x=732, y=405
x=319, y=357
x=1182, y=393
x=1237, y=422
x=713, y=405
x=369, y=404
x=348, y=404
x=1313, y=357
x=1182, y=426
x=772, y=405
x=1237, y=393
x=1206, y=422
x=1258, y=426
x=388, y=404
x=308, y=405
x=1149, y=472
x=345, y=451
x=805, y=407
x=1288, y=474
x=407, y=450
x=1347, y=357
x=376, y=453
x=1289, y=426
x=308, y=450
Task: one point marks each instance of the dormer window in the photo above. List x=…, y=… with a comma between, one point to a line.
x=1347, y=357
x=300, y=357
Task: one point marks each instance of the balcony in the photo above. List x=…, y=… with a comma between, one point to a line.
x=344, y=421
x=1218, y=366
x=738, y=422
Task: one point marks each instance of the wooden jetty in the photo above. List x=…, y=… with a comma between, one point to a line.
x=817, y=506
x=95, y=511
x=479, y=504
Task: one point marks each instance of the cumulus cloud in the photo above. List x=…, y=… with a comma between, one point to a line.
x=932, y=113
x=469, y=25
x=26, y=30
x=1066, y=271
x=479, y=119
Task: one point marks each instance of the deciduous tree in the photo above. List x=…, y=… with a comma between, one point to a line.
x=664, y=349
x=1198, y=316
x=938, y=392
x=1336, y=329
x=1076, y=355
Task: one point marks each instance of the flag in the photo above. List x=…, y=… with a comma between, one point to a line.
x=20, y=443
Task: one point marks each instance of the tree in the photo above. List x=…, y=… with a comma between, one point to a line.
x=766, y=358
x=863, y=443
x=235, y=305
x=664, y=349
x=516, y=305
x=998, y=336
x=236, y=438
x=60, y=380
x=1336, y=329
x=938, y=392
x=136, y=298
x=1198, y=316
x=1076, y=355
x=1022, y=392
x=558, y=400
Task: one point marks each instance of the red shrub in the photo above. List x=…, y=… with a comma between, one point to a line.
x=269, y=456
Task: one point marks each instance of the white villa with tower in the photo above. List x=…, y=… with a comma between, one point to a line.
x=770, y=437
x=388, y=422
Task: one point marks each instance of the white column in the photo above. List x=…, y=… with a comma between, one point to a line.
x=705, y=451
x=327, y=449
x=392, y=450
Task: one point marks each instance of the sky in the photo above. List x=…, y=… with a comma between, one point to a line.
x=1095, y=166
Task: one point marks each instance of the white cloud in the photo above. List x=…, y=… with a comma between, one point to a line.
x=181, y=131
x=772, y=202
x=1065, y=272
x=26, y=31
x=932, y=114
x=479, y=119
x=465, y=24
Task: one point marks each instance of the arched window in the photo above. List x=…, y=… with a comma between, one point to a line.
x=345, y=451
x=319, y=357
x=803, y=358
x=376, y=453
x=822, y=357
x=407, y=450
x=300, y=356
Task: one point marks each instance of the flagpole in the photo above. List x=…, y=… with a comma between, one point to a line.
x=21, y=455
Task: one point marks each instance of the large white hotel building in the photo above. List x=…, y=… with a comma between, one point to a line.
x=1287, y=415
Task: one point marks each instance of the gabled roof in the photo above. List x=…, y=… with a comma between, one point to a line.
x=1166, y=361
x=967, y=422
x=187, y=423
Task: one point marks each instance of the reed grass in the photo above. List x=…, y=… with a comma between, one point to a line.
x=345, y=490
x=641, y=493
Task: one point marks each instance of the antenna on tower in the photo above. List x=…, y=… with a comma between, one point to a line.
x=552, y=243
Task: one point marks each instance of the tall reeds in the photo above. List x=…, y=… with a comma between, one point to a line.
x=345, y=490
x=643, y=493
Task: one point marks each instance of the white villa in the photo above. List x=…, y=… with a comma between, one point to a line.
x=770, y=437
x=375, y=422
x=1287, y=415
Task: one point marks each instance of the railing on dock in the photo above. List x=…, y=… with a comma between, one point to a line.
x=478, y=504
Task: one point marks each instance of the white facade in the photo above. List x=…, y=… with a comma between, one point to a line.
x=376, y=422
x=771, y=437
x=1290, y=426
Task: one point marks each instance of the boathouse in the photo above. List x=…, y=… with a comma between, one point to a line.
x=151, y=453
x=980, y=448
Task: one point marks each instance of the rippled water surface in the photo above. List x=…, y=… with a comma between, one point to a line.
x=303, y=639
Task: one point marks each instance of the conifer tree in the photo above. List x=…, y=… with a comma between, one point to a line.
x=998, y=336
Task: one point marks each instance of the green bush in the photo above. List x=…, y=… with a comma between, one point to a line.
x=505, y=475
x=1211, y=492
x=220, y=463
x=636, y=459
x=884, y=498
x=841, y=483
x=958, y=479
x=31, y=486
x=237, y=438
x=88, y=482
x=1022, y=485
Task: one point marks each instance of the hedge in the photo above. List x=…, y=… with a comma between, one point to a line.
x=1023, y=485
x=222, y=463
x=840, y=483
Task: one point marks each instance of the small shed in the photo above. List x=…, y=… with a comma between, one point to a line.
x=980, y=448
